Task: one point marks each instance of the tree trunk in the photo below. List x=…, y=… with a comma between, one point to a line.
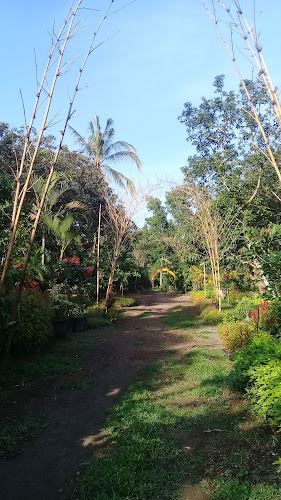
x=109, y=300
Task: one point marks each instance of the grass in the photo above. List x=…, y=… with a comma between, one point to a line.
x=84, y=340
x=186, y=336
x=76, y=384
x=182, y=426
x=125, y=301
x=145, y=314
x=14, y=434
x=179, y=320
x=21, y=372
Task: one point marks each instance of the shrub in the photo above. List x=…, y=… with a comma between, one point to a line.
x=265, y=391
x=34, y=326
x=262, y=316
x=235, y=335
x=276, y=314
x=96, y=317
x=211, y=316
x=246, y=303
x=263, y=349
x=230, y=316
x=199, y=300
x=234, y=297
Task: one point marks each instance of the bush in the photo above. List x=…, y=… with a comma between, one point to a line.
x=263, y=349
x=235, y=335
x=211, y=316
x=96, y=317
x=246, y=303
x=265, y=391
x=34, y=326
x=199, y=300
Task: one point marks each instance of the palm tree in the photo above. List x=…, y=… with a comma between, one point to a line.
x=103, y=151
x=52, y=217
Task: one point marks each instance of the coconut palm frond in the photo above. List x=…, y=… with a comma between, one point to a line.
x=75, y=204
x=120, y=179
x=102, y=150
x=123, y=155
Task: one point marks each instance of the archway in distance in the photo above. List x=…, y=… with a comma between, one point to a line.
x=162, y=270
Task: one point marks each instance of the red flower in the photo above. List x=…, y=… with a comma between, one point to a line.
x=225, y=276
x=267, y=230
x=87, y=271
x=19, y=265
x=33, y=284
x=254, y=315
x=74, y=260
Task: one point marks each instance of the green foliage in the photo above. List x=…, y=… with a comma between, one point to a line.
x=155, y=434
x=39, y=367
x=276, y=314
x=13, y=434
x=262, y=349
x=246, y=303
x=58, y=294
x=34, y=325
x=235, y=489
x=211, y=316
x=235, y=335
x=180, y=320
x=263, y=245
x=125, y=301
x=264, y=391
x=144, y=314
x=96, y=317
x=199, y=300
x=103, y=151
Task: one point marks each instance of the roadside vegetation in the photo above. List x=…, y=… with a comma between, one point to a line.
x=184, y=428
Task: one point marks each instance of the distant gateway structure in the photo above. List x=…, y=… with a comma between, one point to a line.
x=162, y=270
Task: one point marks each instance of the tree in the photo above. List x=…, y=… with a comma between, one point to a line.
x=26, y=163
x=103, y=151
x=216, y=232
x=268, y=130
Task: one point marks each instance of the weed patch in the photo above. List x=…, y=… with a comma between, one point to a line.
x=14, y=434
x=21, y=372
x=85, y=340
x=180, y=320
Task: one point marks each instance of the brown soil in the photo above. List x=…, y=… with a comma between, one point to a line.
x=75, y=418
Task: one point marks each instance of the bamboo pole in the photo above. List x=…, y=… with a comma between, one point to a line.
x=14, y=224
x=98, y=257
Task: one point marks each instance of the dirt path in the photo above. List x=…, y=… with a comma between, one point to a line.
x=75, y=418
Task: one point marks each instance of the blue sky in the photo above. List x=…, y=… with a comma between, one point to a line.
x=165, y=53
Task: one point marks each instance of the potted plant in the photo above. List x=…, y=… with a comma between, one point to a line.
x=62, y=323
x=79, y=318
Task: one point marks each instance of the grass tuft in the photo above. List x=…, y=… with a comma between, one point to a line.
x=14, y=434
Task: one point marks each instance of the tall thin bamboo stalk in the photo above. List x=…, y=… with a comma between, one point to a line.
x=98, y=256
x=247, y=33
x=20, y=195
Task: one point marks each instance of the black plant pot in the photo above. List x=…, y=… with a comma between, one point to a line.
x=80, y=324
x=62, y=327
